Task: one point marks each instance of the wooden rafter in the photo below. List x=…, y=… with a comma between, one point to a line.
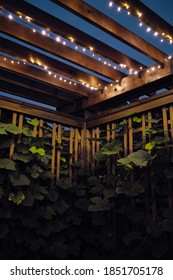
x=23, y=33
x=92, y=15
x=58, y=26
x=25, y=87
x=40, y=75
x=145, y=14
x=139, y=106
x=146, y=82
x=37, y=58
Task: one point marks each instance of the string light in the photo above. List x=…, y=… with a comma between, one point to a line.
x=10, y=17
x=43, y=32
x=139, y=16
x=110, y=4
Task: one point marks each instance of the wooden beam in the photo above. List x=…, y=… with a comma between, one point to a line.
x=39, y=112
x=137, y=107
x=25, y=34
x=35, y=57
x=24, y=92
x=36, y=88
x=58, y=26
x=41, y=75
x=157, y=23
x=132, y=84
x=92, y=15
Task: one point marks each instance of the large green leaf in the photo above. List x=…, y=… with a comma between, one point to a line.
x=137, y=120
x=17, y=198
x=12, y=128
x=149, y=146
x=22, y=157
x=124, y=161
x=99, y=156
x=21, y=180
x=159, y=140
x=99, y=204
x=61, y=206
x=33, y=122
x=34, y=171
x=7, y=164
x=47, y=175
x=139, y=158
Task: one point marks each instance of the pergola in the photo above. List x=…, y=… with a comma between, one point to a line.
x=28, y=73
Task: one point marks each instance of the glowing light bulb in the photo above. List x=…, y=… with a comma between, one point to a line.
x=110, y=4
x=148, y=29
x=119, y=9
x=34, y=30
x=155, y=34
x=10, y=17
x=140, y=24
x=153, y=68
x=49, y=72
x=64, y=43
x=57, y=39
x=43, y=32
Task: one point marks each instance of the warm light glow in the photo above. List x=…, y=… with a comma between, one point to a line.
x=64, y=43
x=153, y=68
x=10, y=17
x=110, y=4
x=119, y=9
x=84, y=49
x=140, y=24
x=139, y=14
x=34, y=30
x=54, y=76
x=169, y=57
x=58, y=39
x=156, y=33
x=49, y=72
x=91, y=48
x=43, y=32
x=148, y=29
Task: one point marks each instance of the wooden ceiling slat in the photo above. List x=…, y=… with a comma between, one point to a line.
x=23, y=52
x=92, y=15
x=23, y=33
x=56, y=25
x=132, y=84
x=34, y=90
x=157, y=23
x=29, y=71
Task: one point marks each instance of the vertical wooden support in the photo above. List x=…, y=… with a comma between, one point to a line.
x=58, y=155
x=93, y=149
x=97, y=136
x=165, y=121
x=88, y=149
x=71, y=152
x=76, y=135
x=20, y=126
x=35, y=129
x=130, y=135
x=53, y=147
x=143, y=128
x=14, y=121
x=125, y=141
x=170, y=193
x=40, y=131
x=113, y=138
x=108, y=137
x=171, y=120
